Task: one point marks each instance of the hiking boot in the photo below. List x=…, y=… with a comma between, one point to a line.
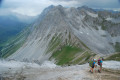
x=99, y=71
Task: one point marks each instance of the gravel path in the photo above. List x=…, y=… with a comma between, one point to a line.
x=49, y=71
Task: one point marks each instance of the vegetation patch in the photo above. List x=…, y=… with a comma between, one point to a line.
x=55, y=41
x=84, y=45
x=84, y=58
x=14, y=43
x=117, y=47
x=103, y=26
x=65, y=55
x=115, y=57
x=12, y=49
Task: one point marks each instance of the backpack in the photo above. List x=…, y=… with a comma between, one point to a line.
x=91, y=63
x=99, y=62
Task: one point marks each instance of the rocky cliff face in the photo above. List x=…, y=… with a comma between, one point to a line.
x=59, y=29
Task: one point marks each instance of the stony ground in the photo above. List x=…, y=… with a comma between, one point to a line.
x=50, y=71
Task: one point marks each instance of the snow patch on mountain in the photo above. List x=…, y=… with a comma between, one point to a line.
x=114, y=20
x=109, y=19
x=92, y=14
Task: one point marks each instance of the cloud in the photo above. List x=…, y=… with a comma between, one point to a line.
x=103, y=3
x=32, y=8
x=96, y=3
x=26, y=7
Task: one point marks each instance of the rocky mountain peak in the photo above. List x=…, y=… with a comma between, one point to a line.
x=60, y=28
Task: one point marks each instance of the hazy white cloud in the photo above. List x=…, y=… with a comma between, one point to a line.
x=30, y=7
x=96, y=3
x=26, y=7
x=35, y=7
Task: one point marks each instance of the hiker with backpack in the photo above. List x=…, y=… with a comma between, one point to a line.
x=92, y=65
x=100, y=61
x=96, y=65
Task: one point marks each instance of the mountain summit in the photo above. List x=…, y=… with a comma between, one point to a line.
x=63, y=33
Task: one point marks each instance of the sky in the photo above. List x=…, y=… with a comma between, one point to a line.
x=35, y=7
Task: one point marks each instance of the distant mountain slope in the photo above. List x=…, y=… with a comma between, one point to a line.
x=70, y=35
x=107, y=10
x=10, y=25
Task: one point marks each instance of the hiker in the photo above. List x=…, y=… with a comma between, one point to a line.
x=100, y=61
x=92, y=65
x=95, y=65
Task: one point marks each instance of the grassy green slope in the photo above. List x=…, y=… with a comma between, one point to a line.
x=84, y=57
x=65, y=55
x=115, y=57
x=54, y=43
x=117, y=47
x=14, y=43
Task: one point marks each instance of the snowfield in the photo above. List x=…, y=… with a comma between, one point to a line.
x=49, y=71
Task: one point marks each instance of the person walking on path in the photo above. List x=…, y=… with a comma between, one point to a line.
x=92, y=65
x=100, y=61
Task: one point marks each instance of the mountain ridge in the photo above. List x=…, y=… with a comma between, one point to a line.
x=59, y=29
